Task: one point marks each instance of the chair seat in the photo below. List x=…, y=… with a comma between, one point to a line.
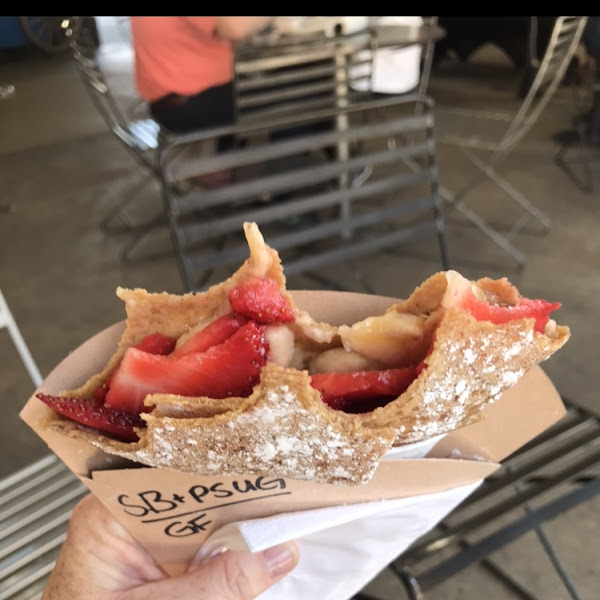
x=36, y=506
x=145, y=133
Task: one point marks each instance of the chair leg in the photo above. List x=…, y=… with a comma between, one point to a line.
x=556, y=562
x=487, y=171
x=511, y=191
x=7, y=320
x=483, y=226
x=120, y=213
x=586, y=182
x=410, y=582
x=140, y=233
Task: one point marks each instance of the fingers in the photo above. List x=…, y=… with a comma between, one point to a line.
x=244, y=575
x=227, y=576
x=101, y=552
x=101, y=558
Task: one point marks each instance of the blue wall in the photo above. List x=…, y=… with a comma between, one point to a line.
x=11, y=33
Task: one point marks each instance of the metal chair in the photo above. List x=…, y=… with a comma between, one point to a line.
x=317, y=210
x=427, y=56
x=578, y=153
x=424, y=36
x=8, y=321
x=277, y=75
x=140, y=135
x=35, y=505
x=555, y=472
x=559, y=52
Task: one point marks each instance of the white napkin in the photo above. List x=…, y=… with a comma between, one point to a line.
x=342, y=547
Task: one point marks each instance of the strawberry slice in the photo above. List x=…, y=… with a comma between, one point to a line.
x=460, y=294
x=260, y=299
x=155, y=343
x=91, y=412
x=525, y=309
x=229, y=369
x=213, y=334
x=362, y=391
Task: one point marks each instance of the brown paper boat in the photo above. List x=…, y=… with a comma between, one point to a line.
x=171, y=513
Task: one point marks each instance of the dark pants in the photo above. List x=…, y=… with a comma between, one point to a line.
x=213, y=107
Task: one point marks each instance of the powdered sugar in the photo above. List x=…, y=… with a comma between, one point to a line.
x=469, y=356
x=278, y=434
x=477, y=370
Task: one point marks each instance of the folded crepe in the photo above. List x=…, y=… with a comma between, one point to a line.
x=322, y=403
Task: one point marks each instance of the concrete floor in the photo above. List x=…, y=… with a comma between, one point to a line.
x=62, y=171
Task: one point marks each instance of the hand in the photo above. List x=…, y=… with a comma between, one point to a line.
x=100, y=560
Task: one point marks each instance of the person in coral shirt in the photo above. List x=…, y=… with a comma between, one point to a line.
x=184, y=68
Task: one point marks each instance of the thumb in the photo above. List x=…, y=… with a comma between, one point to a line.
x=231, y=575
x=245, y=575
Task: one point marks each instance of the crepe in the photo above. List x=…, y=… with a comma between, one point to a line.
x=284, y=429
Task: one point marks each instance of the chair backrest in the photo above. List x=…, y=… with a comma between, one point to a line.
x=507, y=129
x=563, y=42
x=139, y=136
x=339, y=189
x=276, y=77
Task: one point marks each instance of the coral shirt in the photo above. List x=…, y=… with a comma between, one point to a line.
x=179, y=55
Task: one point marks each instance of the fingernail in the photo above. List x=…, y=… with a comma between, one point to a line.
x=280, y=559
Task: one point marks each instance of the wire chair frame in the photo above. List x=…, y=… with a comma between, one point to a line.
x=109, y=110
x=561, y=47
x=576, y=155
x=353, y=220
x=547, y=477
x=7, y=320
x=427, y=60
x=140, y=136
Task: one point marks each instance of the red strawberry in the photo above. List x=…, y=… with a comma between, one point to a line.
x=362, y=391
x=213, y=334
x=157, y=343
x=229, y=369
x=526, y=308
x=260, y=299
x=100, y=393
x=91, y=412
x=460, y=294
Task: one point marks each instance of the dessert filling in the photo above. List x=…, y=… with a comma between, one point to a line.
x=355, y=368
